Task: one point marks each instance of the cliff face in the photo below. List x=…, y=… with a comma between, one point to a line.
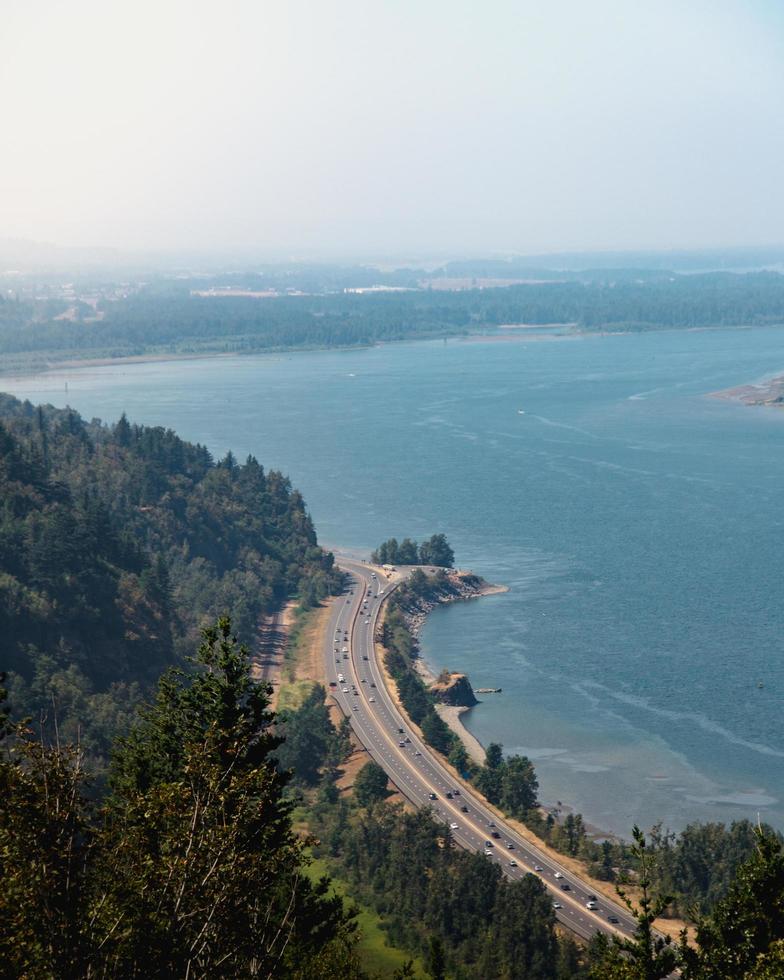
x=456, y=690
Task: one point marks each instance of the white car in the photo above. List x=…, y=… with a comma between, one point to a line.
x=453, y=826
x=591, y=905
x=345, y=690
x=344, y=650
x=538, y=867
x=513, y=863
x=558, y=875
x=371, y=698
x=557, y=905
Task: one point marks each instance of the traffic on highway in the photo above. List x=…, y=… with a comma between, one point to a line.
x=357, y=685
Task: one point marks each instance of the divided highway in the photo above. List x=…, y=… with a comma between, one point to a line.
x=356, y=683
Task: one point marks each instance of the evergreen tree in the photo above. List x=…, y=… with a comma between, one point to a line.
x=370, y=784
x=646, y=956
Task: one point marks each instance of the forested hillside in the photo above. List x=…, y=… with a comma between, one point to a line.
x=117, y=543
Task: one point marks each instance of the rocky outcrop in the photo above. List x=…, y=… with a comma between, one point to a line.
x=454, y=689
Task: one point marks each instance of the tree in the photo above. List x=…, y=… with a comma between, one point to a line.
x=519, y=785
x=436, y=551
x=407, y=553
x=744, y=936
x=45, y=841
x=436, y=962
x=370, y=784
x=494, y=755
x=646, y=956
x=200, y=864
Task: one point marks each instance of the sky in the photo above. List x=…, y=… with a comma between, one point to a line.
x=364, y=126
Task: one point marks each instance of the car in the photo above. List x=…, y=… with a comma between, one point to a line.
x=464, y=809
x=491, y=824
x=513, y=863
x=566, y=887
x=538, y=867
x=591, y=905
x=613, y=919
x=364, y=657
x=356, y=707
x=402, y=744
x=488, y=853
x=456, y=792
x=407, y=739
x=344, y=650
x=367, y=621
x=372, y=683
x=364, y=680
x=417, y=752
x=332, y=684
x=509, y=846
x=453, y=826
x=371, y=699
x=496, y=835
x=402, y=731
x=557, y=875
x=449, y=795
x=591, y=897
x=557, y=905
x=432, y=796
x=489, y=843
x=345, y=656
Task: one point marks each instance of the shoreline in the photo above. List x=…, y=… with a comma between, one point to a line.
x=452, y=714
x=768, y=393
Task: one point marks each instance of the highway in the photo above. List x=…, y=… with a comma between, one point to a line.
x=421, y=775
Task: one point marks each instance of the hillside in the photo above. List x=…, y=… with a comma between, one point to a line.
x=117, y=543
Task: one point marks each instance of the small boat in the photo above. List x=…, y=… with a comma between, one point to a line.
x=520, y=411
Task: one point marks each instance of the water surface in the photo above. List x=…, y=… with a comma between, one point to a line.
x=637, y=522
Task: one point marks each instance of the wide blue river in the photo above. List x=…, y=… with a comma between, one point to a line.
x=637, y=522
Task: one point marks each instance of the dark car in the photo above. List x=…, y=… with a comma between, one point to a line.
x=449, y=796
x=489, y=843
x=401, y=730
x=612, y=918
x=432, y=796
x=495, y=834
x=464, y=809
x=565, y=887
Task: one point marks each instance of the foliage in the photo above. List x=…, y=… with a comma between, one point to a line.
x=165, y=316
x=116, y=545
x=310, y=741
x=646, y=956
x=192, y=868
x=370, y=784
x=744, y=936
x=434, y=551
x=454, y=908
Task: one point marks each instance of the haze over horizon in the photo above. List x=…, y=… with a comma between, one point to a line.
x=344, y=127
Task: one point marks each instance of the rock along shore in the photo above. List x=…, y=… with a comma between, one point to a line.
x=453, y=691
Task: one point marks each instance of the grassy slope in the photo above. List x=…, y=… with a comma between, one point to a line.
x=377, y=957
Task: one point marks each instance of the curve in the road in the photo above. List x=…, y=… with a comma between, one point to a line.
x=422, y=777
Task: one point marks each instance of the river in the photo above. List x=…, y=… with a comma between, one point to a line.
x=637, y=522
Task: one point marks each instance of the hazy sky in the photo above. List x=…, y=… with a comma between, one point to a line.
x=336, y=125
